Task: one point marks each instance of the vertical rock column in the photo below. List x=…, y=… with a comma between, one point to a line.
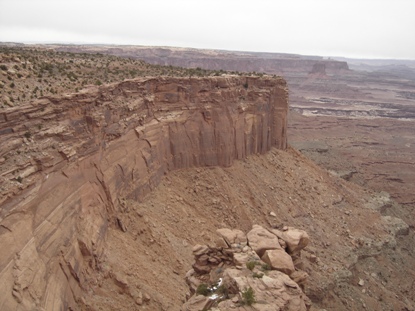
x=279, y=96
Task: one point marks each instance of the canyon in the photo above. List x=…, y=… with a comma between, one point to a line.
x=355, y=109
x=104, y=191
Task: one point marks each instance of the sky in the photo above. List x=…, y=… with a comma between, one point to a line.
x=350, y=28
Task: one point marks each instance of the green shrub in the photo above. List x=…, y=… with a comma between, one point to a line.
x=248, y=296
x=203, y=289
x=251, y=265
x=257, y=275
x=265, y=267
x=223, y=290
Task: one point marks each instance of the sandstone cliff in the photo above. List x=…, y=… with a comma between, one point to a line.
x=289, y=65
x=67, y=163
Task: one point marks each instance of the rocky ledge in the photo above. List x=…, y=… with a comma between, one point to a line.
x=260, y=269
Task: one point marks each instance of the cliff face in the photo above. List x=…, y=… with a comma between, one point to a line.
x=307, y=76
x=68, y=162
x=289, y=65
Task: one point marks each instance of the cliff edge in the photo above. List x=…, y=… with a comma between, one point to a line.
x=68, y=162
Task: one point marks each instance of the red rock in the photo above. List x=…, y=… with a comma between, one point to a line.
x=199, y=250
x=111, y=142
x=232, y=236
x=295, y=239
x=279, y=260
x=261, y=240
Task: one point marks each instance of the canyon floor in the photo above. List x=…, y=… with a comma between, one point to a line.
x=360, y=124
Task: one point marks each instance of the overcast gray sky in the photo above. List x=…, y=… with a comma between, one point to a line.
x=352, y=28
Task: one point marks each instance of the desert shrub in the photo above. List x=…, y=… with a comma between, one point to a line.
x=19, y=179
x=223, y=290
x=3, y=67
x=248, y=296
x=203, y=289
x=257, y=275
x=265, y=267
x=251, y=265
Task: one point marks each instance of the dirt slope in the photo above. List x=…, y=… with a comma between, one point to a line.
x=353, y=242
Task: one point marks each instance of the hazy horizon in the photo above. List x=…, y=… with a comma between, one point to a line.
x=365, y=29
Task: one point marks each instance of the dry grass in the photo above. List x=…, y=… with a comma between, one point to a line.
x=27, y=73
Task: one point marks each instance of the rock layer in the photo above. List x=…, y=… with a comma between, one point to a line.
x=68, y=162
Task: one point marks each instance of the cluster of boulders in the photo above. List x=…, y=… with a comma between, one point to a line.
x=260, y=270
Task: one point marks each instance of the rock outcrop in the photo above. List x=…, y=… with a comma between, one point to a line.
x=68, y=162
x=220, y=280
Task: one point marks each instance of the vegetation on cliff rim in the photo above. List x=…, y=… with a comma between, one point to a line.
x=31, y=72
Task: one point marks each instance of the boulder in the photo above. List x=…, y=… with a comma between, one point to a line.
x=282, y=243
x=280, y=289
x=299, y=277
x=232, y=236
x=279, y=260
x=261, y=240
x=198, y=303
x=192, y=281
x=199, y=250
x=295, y=239
x=201, y=269
x=240, y=259
x=395, y=226
x=275, y=292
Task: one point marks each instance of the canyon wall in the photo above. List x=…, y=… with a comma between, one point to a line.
x=68, y=162
x=288, y=65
